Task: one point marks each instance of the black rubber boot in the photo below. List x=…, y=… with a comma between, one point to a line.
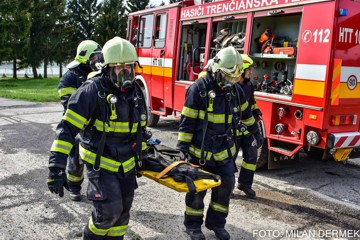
x=75, y=196
x=220, y=233
x=247, y=190
x=195, y=234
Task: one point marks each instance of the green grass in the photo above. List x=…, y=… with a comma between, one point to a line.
x=34, y=90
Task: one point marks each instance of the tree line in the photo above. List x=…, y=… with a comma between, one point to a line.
x=33, y=32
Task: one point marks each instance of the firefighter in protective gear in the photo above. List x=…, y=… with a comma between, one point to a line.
x=249, y=143
x=109, y=111
x=210, y=117
x=88, y=54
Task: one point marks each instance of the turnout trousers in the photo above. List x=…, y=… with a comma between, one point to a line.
x=112, y=196
x=248, y=165
x=75, y=168
x=219, y=205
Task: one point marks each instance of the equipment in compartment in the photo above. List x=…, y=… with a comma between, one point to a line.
x=264, y=42
x=193, y=42
x=226, y=39
x=278, y=83
x=290, y=51
x=279, y=66
x=275, y=48
x=268, y=84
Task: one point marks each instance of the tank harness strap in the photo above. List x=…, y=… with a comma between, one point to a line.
x=236, y=123
x=139, y=102
x=138, y=151
x=229, y=110
x=103, y=115
x=203, y=101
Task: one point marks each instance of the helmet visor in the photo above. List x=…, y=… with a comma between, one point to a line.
x=234, y=72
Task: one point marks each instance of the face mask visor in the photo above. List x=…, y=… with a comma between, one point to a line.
x=95, y=61
x=122, y=72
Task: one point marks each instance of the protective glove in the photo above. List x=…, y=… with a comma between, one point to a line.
x=57, y=180
x=258, y=139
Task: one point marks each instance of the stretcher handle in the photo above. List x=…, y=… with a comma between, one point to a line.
x=171, y=166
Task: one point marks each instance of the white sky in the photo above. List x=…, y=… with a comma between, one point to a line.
x=158, y=2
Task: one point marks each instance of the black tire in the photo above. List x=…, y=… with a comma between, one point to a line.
x=318, y=153
x=355, y=153
x=314, y=152
x=153, y=119
x=263, y=151
x=263, y=155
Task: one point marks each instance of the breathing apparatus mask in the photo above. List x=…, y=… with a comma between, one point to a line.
x=122, y=75
x=119, y=62
x=95, y=61
x=226, y=78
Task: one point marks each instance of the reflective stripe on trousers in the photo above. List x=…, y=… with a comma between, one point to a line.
x=111, y=214
x=218, y=209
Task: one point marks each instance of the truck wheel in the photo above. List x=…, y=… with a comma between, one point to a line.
x=263, y=155
x=153, y=119
x=355, y=153
x=318, y=154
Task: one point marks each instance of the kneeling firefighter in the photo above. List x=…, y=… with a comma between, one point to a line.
x=249, y=142
x=109, y=111
x=214, y=108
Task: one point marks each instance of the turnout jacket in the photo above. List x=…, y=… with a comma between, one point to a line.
x=248, y=89
x=90, y=112
x=71, y=81
x=223, y=120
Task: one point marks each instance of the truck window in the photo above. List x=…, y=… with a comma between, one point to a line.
x=132, y=31
x=129, y=26
x=193, y=38
x=273, y=47
x=145, y=31
x=160, y=30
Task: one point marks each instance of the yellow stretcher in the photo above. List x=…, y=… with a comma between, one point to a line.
x=164, y=179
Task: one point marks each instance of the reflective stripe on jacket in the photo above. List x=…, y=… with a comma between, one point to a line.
x=219, y=142
x=68, y=84
x=119, y=146
x=248, y=89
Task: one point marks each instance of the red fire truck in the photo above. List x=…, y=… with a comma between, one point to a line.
x=306, y=71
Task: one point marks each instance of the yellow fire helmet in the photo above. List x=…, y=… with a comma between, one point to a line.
x=84, y=50
x=118, y=51
x=119, y=61
x=247, y=62
x=229, y=61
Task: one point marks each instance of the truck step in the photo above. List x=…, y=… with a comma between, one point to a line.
x=285, y=151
